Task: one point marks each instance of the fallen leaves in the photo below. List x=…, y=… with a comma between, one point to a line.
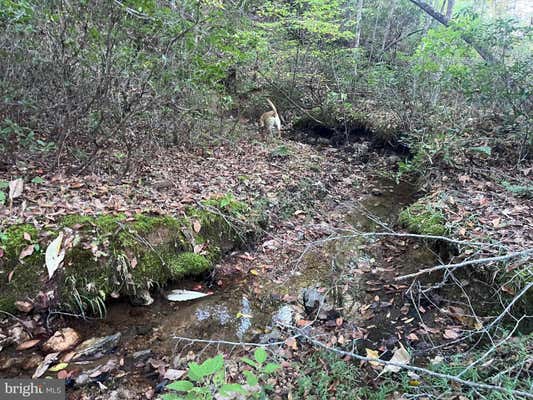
x=451, y=334
x=26, y=252
x=45, y=364
x=197, y=227
x=373, y=354
x=400, y=356
x=24, y=306
x=28, y=344
x=15, y=189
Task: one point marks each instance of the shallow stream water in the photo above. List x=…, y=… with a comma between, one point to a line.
x=355, y=272
x=236, y=314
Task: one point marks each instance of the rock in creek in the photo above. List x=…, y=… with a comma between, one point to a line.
x=312, y=299
x=142, y=298
x=97, y=346
x=62, y=340
x=283, y=316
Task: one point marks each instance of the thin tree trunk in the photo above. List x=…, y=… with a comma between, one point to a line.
x=372, y=43
x=449, y=9
x=389, y=24
x=358, y=19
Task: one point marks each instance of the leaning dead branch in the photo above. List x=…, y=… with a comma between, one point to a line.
x=478, y=261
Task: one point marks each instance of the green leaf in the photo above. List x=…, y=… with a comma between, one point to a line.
x=224, y=202
x=251, y=379
x=220, y=377
x=2, y=198
x=231, y=388
x=200, y=393
x=4, y=184
x=195, y=372
x=180, y=386
x=270, y=367
x=212, y=365
x=171, y=396
x=58, y=367
x=38, y=180
x=249, y=362
x=260, y=355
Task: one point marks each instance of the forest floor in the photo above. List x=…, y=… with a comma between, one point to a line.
x=307, y=192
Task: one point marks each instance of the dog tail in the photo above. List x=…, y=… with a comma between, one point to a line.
x=276, y=115
x=273, y=106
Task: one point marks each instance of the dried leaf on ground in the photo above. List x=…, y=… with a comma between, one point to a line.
x=54, y=255
x=15, y=188
x=400, y=356
x=184, y=295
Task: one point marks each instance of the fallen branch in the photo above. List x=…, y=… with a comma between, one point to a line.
x=229, y=343
x=419, y=370
x=464, y=264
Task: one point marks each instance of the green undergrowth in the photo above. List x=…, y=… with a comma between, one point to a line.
x=324, y=375
x=118, y=255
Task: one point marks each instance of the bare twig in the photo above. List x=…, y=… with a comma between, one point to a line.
x=419, y=370
x=227, y=342
x=485, y=260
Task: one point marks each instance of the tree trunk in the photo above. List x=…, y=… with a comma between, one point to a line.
x=449, y=9
x=389, y=25
x=358, y=19
x=482, y=51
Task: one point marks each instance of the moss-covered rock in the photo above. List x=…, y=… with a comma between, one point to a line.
x=188, y=264
x=116, y=255
x=424, y=219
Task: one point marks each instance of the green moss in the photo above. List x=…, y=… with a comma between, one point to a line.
x=13, y=241
x=144, y=224
x=188, y=264
x=87, y=281
x=19, y=279
x=152, y=269
x=423, y=219
x=227, y=203
x=104, y=224
x=125, y=256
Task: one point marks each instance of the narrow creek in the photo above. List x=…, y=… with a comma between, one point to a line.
x=354, y=271
x=234, y=313
x=355, y=276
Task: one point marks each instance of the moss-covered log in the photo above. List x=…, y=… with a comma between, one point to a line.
x=110, y=256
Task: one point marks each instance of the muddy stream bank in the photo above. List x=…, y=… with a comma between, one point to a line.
x=348, y=280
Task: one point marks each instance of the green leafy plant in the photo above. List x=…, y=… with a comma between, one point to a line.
x=261, y=370
x=208, y=380
x=281, y=152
